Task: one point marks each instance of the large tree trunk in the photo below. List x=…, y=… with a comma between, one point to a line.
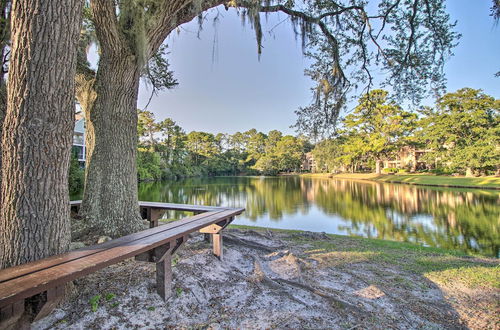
x=37, y=134
x=110, y=201
x=4, y=41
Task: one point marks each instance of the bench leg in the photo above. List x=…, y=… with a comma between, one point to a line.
x=54, y=297
x=217, y=244
x=10, y=315
x=152, y=215
x=164, y=277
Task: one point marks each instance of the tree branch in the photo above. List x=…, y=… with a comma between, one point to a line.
x=106, y=24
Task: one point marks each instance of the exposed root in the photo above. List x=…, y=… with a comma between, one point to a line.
x=250, y=244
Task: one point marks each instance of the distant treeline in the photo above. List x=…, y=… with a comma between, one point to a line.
x=460, y=134
x=167, y=151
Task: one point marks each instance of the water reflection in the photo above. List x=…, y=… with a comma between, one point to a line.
x=467, y=220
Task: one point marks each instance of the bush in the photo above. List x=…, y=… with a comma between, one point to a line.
x=390, y=170
x=441, y=171
x=148, y=166
x=76, y=177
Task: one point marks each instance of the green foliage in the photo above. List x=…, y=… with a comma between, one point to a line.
x=463, y=131
x=148, y=165
x=378, y=127
x=110, y=296
x=94, y=302
x=165, y=151
x=76, y=175
x=407, y=40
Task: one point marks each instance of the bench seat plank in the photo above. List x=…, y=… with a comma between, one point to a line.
x=170, y=206
x=37, y=282
x=21, y=270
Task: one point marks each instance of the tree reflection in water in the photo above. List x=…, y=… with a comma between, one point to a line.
x=467, y=220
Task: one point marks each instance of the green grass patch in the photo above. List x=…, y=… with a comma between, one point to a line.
x=420, y=179
x=472, y=277
x=438, y=265
x=481, y=182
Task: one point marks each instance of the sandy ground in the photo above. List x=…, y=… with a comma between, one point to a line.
x=266, y=282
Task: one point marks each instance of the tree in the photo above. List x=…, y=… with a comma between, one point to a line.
x=464, y=131
x=4, y=55
x=411, y=42
x=255, y=146
x=147, y=127
x=378, y=126
x=328, y=154
x=37, y=130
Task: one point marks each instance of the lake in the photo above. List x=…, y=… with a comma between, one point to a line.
x=460, y=219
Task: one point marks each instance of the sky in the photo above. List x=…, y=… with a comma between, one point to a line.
x=224, y=87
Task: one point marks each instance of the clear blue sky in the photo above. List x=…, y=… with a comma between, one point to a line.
x=223, y=87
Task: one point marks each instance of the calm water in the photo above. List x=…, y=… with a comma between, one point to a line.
x=467, y=220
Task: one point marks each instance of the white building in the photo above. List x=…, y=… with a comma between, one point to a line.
x=79, y=138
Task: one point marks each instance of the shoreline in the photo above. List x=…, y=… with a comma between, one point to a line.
x=488, y=183
x=291, y=279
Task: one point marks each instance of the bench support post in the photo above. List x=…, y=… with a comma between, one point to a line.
x=153, y=215
x=215, y=233
x=217, y=245
x=54, y=297
x=11, y=314
x=164, y=276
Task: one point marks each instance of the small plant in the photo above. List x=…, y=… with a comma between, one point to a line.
x=110, y=296
x=94, y=302
x=179, y=291
x=175, y=260
x=151, y=308
x=115, y=304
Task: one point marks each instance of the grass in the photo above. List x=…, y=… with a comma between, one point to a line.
x=438, y=265
x=489, y=182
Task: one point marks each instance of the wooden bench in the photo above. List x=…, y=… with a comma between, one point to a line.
x=47, y=277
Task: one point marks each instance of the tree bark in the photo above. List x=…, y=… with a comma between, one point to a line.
x=378, y=167
x=37, y=134
x=110, y=202
x=4, y=41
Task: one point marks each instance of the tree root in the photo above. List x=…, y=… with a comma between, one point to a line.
x=333, y=300
x=253, y=245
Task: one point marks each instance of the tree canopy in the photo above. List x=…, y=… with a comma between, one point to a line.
x=464, y=130
x=459, y=134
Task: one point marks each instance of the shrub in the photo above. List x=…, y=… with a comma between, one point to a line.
x=76, y=177
x=390, y=170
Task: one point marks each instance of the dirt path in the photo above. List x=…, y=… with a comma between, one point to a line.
x=274, y=280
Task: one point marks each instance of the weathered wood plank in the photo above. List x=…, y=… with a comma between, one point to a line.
x=164, y=277
x=10, y=314
x=217, y=245
x=21, y=270
x=170, y=206
x=31, y=284
x=54, y=297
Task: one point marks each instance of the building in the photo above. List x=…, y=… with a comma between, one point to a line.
x=408, y=157
x=79, y=138
x=308, y=163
